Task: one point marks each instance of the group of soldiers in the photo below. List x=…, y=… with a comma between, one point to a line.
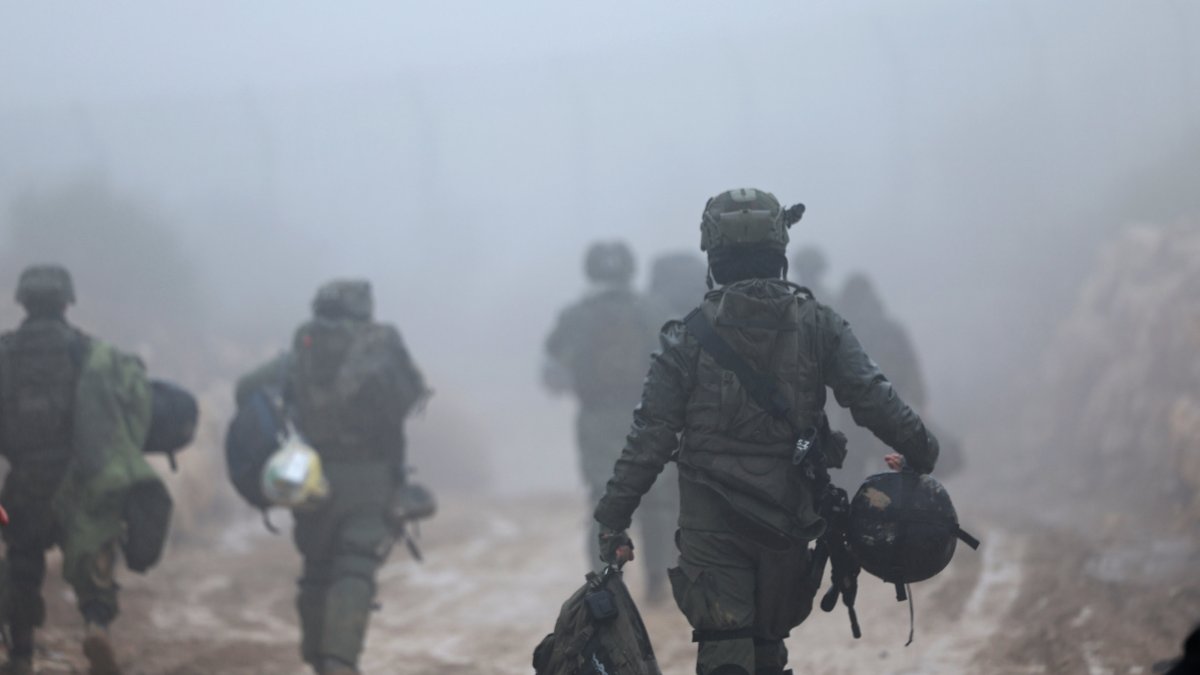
x=734, y=396
x=75, y=416
x=737, y=512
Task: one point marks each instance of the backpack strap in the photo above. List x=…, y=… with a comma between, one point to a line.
x=761, y=388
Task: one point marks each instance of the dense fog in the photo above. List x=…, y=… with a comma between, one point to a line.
x=968, y=157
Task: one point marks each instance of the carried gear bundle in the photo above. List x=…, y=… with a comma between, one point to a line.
x=173, y=418
x=255, y=433
x=598, y=632
x=746, y=217
x=292, y=478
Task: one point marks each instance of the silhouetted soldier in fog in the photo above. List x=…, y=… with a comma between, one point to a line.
x=598, y=351
x=809, y=266
x=890, y=345
x=349, y=384
x=676, y=285
x=42, y=433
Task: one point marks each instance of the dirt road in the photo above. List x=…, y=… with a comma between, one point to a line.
x=1032, y=600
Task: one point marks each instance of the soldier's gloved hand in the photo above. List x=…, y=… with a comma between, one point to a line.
x=616, y=548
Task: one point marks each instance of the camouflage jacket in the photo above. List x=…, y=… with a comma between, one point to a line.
x=776, y=327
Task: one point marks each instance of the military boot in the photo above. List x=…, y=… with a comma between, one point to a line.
x=336, y=667
x=17, y=666
x=102, y=660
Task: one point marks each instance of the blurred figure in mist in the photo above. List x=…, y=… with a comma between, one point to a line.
x=74, y=414
x=677, y=284
x=808, y=268
x=348, y=384
x=889, y=343
x=598, y=352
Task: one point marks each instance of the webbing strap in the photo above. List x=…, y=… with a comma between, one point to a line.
x=966, y=538
x=722, y=635
x=761, y=388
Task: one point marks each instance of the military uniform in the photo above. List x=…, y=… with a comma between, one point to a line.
x=348, y=384
x=602, y=345
x=40, y=368
x=741, y=590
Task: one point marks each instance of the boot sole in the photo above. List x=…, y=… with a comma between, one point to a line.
x=100, y=656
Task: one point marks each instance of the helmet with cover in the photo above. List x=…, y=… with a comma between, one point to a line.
x=903, y=527
x=609, y=262
x=344, y=299
x=45, y=287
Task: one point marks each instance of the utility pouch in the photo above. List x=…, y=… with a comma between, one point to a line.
x=601, y=605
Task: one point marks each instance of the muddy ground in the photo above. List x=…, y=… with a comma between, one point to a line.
x=1035, y=599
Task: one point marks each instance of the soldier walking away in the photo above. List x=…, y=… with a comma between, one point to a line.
x=894, y=350
x=348, y=385
x=809, y=266
x=752, y=439
x=56, y=439
x=598, y=351
x=676, y=285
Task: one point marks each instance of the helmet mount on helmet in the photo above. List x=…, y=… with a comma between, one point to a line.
x=746, y=216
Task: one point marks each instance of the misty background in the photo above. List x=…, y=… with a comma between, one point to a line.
x=202, y=167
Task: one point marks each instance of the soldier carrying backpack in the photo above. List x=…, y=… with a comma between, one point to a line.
x=345, y=387
x=75, y=417
x=744, y=380
x=598, y=352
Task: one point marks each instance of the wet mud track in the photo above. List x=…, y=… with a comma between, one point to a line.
x=1032, y=600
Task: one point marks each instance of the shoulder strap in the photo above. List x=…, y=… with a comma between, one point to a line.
x=761, y=388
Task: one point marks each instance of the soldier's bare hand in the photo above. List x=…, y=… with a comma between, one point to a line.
x=895, y=461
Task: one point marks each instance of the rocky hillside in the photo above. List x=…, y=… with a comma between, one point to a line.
x=1113, y=416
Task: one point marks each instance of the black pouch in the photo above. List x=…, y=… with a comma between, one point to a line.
x=601, y=605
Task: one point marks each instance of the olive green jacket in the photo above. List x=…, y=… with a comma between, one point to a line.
x=778, y=328
x=111, y=419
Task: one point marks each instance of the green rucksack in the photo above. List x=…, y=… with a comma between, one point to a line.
x=351, y=384
x=599, y=632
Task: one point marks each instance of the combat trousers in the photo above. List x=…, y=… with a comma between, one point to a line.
x=601, y=435
x=741, y=600
x=344, y=542
x=27, y=496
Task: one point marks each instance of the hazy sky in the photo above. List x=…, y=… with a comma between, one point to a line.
x=968, y=155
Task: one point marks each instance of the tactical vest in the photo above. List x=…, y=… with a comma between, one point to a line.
x=610, y=350
x=349, y=388
x=730, y=443
x=40, y=365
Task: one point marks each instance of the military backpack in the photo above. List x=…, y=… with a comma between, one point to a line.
x=599, y=632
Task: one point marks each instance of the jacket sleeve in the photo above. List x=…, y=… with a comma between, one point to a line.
x=657, y=421
x=273, y=373
x=859, y=385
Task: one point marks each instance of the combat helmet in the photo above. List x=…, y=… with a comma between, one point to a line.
x=746, y=216
x=903, y=527
x=45, y=285
x=344, y=299
x=609, y=262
